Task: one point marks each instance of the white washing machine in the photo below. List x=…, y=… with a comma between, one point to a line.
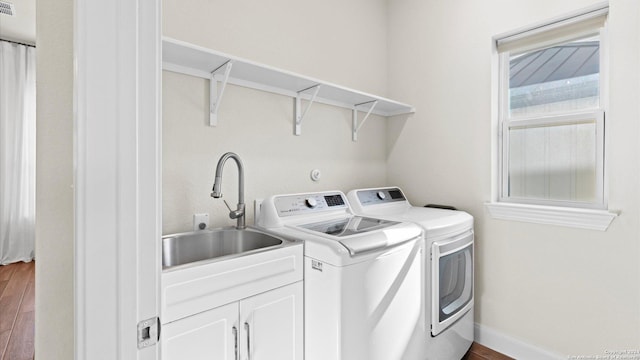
x=362, y=277
x=448, y=267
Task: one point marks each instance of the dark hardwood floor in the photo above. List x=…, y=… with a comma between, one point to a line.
x=479, y=352
x=17, y=321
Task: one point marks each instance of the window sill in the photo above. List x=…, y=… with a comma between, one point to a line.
x=552, y=215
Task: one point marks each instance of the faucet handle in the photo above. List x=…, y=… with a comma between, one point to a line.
x=225, y=202
x=234, y=214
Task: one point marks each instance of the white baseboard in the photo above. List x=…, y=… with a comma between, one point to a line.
x=509, y=346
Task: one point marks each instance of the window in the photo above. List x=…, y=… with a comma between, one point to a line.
x=551, y=113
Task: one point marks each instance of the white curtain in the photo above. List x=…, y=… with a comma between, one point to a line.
x=17, y=152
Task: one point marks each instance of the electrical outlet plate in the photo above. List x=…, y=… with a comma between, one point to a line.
x=200, y=219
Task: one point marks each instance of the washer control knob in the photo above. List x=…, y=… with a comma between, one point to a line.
x=311, y=202
x=381, y=195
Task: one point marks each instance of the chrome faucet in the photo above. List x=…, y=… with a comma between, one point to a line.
x=239, y=213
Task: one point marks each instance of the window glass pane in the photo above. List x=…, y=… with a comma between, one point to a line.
x=554, y=162
x=560, y=78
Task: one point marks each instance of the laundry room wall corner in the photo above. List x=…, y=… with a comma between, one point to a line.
x=563, y=290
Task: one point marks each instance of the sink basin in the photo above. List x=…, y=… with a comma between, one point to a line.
x=190, y=247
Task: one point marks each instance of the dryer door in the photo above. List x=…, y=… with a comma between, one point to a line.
x=452, y=279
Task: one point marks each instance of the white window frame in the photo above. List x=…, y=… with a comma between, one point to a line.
x=565, y=213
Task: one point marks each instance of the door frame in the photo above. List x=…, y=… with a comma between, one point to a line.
x=117, y=175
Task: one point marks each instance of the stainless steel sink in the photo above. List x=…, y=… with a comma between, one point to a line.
x=190, y=247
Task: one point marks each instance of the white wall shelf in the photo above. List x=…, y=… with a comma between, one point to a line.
x=185, y=58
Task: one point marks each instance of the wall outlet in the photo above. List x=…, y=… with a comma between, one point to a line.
x=257, y=203
x=200, y=221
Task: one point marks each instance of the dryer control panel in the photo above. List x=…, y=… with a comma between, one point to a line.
x=380, y=196
x=290, y=205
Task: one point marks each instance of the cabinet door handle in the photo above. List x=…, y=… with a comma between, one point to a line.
x=246, y=328
x=235, y=347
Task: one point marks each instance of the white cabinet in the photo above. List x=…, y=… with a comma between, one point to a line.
x=208, y=335
x=196, y=289
x=272, y=324
x=262, y=327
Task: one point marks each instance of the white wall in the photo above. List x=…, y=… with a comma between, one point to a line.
x=54, y=171
x=569, y=291
x=336, y=41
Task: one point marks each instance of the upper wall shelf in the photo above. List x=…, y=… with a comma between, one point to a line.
x=182, y=57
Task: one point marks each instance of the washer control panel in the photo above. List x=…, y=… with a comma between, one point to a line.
x=380, y=196
x=290, y=205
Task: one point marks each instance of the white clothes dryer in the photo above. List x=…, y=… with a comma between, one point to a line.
x=448, y=267
x=362, y=276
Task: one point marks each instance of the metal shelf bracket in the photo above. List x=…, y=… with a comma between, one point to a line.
x=300, y=114
x=355, y=126
x=215, y=96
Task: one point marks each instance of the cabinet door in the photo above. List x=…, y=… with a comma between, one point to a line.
x=210, y=335
x=271, y=325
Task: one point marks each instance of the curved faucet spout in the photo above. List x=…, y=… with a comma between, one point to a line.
x=217, y=187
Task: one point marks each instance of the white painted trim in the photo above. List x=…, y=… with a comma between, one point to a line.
x=552, y=215
x=533, y=210
x=117, y=175
x=510, y=346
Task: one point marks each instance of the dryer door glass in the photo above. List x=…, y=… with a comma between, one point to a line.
x=455, y=285
x=452, y=281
